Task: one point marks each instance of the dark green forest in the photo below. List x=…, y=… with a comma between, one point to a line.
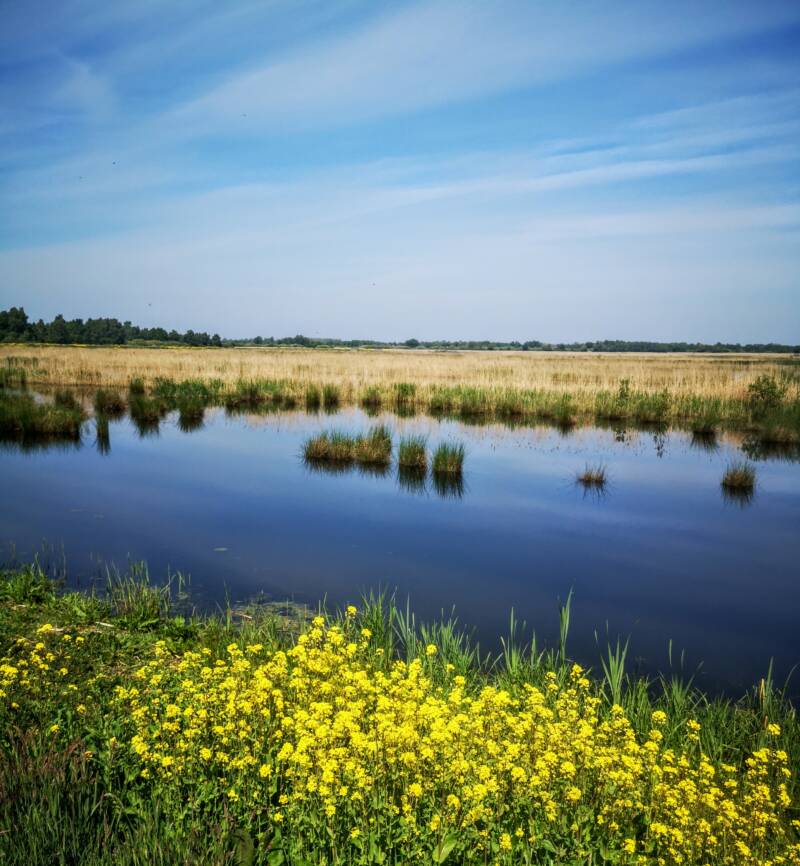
x=16, y=327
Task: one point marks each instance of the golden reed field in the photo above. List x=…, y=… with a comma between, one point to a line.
x=722, y=376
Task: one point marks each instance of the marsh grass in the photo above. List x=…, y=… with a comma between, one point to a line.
x=109, y=403
x=22, y=417
x=412, y=453
x=374, y=447
x=331, y=396
x=332, y=445
x=404, y=393
x=372, y=399
x=448, y=459
x=739, y=476
x=313, y=397
x=593, y=475
x=136, y=387
x=64, y=399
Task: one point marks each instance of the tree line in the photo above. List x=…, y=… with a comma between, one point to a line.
x=16, y=327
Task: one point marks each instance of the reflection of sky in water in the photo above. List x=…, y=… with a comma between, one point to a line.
x=660, y=555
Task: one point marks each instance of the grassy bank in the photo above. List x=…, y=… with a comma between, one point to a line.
x=767, y=410
x=702, y=393
x=134, y=732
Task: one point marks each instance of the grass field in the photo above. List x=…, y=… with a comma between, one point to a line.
x=757, y=394
x=722, y=376
x=132, y=732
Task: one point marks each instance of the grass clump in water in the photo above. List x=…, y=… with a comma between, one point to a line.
x=448, y=459
x=136, y=387
x=21, y=416
x=313, y=397
x=375, y=447
x=593, y=476
x=108, y=403
x=331, y=396
x=412, y=454
x=334, y=446
x=740, y=476
x=371, y=399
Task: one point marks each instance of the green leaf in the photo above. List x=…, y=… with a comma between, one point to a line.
x=245, y=849
x=275, y=858
x=443, y=849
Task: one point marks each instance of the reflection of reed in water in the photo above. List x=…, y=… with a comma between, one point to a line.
x=738, y=496
x=411, y=479
x=704, y=441
x=102, y=435
x=448, y=485
x=190, y=418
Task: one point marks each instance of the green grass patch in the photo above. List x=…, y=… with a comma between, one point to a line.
x=448, y=459
x=412, y=453
x=739, y=476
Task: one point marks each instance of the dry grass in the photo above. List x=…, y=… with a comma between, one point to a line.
x=353, y=371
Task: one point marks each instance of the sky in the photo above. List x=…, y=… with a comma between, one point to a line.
x=441, y=170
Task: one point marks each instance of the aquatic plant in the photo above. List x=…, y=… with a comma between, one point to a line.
x=739, y=476
x=593, y=475
x=64, y=399
x=109, y=403
x=374, y=447
x=22, y=416
x=136, y=387
x=448, y=458
x=331, y=396
x=404, y=393
x=371, y=398
x=313, y=397
x=412, y=453
x=330, y=445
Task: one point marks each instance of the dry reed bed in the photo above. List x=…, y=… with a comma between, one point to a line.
x=719, y=376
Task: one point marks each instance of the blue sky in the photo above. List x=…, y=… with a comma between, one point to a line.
x=537, y=170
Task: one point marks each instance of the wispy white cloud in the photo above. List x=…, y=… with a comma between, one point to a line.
x=427, y=54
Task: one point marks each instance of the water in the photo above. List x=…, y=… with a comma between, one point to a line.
x=660, y=556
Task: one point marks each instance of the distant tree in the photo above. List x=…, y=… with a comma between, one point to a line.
x=412, y=343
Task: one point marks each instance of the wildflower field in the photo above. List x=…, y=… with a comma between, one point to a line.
x=130, y=733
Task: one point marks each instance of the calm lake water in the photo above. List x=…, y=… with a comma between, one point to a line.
x=662, y=555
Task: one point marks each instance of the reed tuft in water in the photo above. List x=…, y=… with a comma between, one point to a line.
x=412, y=454
x=739, y=475
x=593, y=475
x=448, y=459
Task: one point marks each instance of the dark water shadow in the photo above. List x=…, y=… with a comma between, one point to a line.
x=704, y=441
x=102, y=436
x=411, y=479
x=448, y=485
x=741, y=497
x=758, y=449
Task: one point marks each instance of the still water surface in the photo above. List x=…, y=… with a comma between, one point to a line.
x=662, y=555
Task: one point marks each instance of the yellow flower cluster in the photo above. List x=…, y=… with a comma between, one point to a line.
x=38, y=667
x=332, y=744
